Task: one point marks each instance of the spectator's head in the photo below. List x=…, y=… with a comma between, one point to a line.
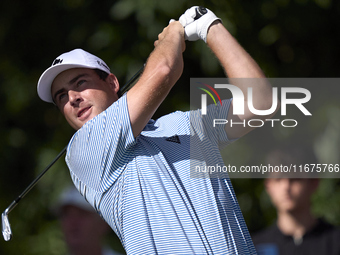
x=291, y=193
x=81, y=225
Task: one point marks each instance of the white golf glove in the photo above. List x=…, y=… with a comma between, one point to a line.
x=196, y=22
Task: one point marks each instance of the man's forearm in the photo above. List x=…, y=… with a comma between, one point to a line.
x=168, y=54
x=162, y=70
x=237, y=63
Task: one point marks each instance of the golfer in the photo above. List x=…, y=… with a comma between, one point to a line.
x=135, y=171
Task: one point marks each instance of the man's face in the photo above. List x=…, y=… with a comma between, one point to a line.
x=81, y=228
x=291, y=195
x=81, y=95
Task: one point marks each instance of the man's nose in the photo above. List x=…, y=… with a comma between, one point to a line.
x=74, y=97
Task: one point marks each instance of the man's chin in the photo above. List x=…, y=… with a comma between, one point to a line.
x=288, y=207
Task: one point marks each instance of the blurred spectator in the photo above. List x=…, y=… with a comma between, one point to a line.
x=84, y=231
x=296, y=230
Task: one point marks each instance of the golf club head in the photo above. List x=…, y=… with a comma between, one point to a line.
x=6, y=227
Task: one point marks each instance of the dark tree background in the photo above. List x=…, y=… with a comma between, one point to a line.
x=288, y=38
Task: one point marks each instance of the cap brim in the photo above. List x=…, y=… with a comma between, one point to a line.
x=47, y=78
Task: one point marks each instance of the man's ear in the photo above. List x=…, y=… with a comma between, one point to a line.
x=113, y=82
x=267, y=185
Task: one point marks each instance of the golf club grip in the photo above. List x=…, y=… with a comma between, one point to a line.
x=200, y=11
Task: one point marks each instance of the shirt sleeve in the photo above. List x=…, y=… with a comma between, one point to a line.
x=98, y=152
x=204, y=124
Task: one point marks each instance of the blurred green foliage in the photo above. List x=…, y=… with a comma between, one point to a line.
x=288, y=38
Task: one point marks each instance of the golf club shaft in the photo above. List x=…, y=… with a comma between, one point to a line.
x=130, y=83
x=29, y=187
x=6, y=229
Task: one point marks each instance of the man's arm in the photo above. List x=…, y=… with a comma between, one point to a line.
x=237, y=63
x=163, y=68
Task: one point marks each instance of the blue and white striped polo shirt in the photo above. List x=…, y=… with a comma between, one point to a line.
x=143, y=188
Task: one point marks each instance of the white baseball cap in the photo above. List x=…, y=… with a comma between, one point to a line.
x=71, y=196
x=77, y=58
